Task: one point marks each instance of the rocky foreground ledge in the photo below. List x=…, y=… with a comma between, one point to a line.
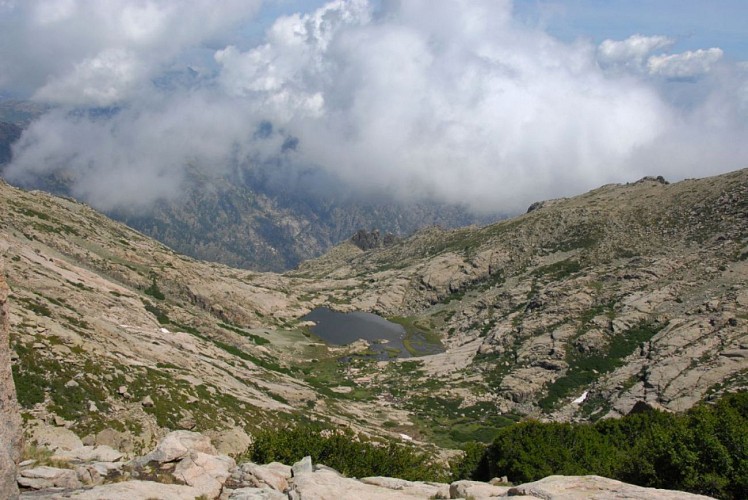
x=185, y=465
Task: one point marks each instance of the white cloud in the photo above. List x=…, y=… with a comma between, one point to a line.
x=139, y=154
x=67, y=48
x=632, y=52
x=685, y=65
x=286, y=75
x=102, y=80
x=450, y=105
x=447, y=100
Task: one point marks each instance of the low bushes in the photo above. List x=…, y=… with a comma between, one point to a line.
x=351, y=454
x=704, y=450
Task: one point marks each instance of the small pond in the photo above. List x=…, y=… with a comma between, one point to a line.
x=387, y=339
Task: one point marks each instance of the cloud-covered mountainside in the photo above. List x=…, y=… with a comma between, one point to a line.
x=446, y=101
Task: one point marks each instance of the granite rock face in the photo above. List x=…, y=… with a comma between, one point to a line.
x=573, y=487
x=10, y=419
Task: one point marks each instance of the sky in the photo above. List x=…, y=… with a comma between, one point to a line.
x=492, y=104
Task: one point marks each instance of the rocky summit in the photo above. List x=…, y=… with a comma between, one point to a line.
x=627, y=297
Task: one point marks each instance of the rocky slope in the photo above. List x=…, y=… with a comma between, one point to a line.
x=243, y=220
x=10, y=419
x=576, y=310
x=119, y=339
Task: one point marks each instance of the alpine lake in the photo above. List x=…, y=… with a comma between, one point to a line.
x=387, y=339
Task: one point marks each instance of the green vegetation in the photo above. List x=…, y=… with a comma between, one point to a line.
x=35, y=306
x=492, y=280
x=703, y=451
x=472, y=464
x=585, y=368
x=30, y=383
x=41, y=226
x=161, y=316
x=419, y=339
x=449, y=425
x=580, y=236
x=29, y=212
x=456, y=295
x=559, y=270
x=352, y=454
x=38, y=377
x=325, y=374
x=254, y=338
x=153, y=290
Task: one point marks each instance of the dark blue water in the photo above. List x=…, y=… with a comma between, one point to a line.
x=343, y=328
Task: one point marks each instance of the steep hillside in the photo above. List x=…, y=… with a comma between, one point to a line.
x=243, y=220
x=579, y=309
x=114, y=332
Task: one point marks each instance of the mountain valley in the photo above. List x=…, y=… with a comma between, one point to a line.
x=580, y=309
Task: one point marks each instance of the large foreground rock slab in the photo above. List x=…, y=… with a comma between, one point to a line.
x=128, y=490
x=274, y=475
x=416, y=488
x=595, y=487
x=327, y=485
x=475, y=489
x=58, y=439
x=89, y=454
x=257, y=494
x=10, y=418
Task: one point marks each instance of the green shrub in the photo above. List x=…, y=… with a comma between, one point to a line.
x=472, y=464
x=161, y=316
x=351, y=454
x=154, y=291
x=532, y=450
x=254, y=338
x=703, y=451
x=585, y=368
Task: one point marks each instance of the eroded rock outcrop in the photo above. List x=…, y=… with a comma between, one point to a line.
x=10, y=418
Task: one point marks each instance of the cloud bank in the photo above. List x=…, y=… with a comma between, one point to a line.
x=449, y=101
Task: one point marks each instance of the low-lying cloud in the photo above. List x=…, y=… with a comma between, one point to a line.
x=450, y=101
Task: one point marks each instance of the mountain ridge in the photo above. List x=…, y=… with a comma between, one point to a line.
x=630, y=293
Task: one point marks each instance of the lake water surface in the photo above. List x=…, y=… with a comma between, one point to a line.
x=386, y=337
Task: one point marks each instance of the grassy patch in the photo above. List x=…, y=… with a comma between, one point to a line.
x=35, y=306
x=448, y=425
x=559, y=270
x=585, y=368
x=254, y=338
x=161, y=316
x=419, y=339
